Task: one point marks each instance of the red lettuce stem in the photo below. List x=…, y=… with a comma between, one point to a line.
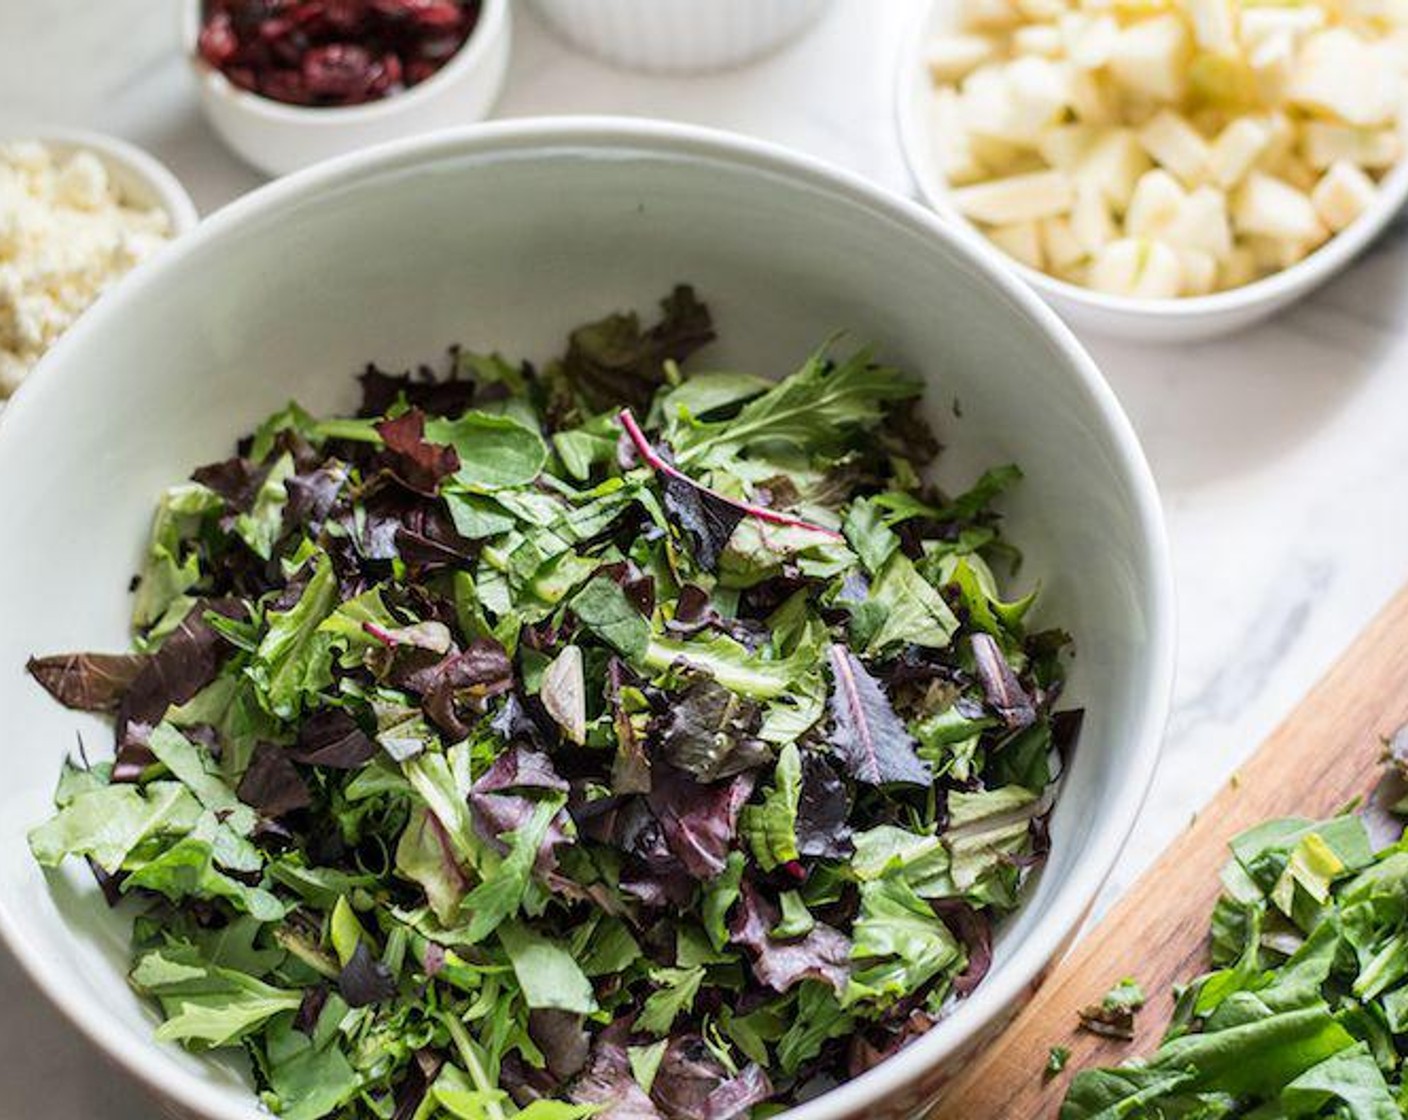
x=654, y=460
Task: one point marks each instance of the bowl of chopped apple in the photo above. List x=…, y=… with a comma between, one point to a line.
x=1161, y=169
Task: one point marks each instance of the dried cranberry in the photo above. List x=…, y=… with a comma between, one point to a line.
x=285, y=85
x=242, y=77
x=418, y=69
x=345, y=17
x=339, y=71
x=387, y=76
x=218, y=41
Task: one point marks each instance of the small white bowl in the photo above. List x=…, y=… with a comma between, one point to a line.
x=680, y=36
x=141, y=180
x=278, y=138
x=1149, y=320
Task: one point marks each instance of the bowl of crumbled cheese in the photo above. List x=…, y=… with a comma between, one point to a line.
x=78, y=212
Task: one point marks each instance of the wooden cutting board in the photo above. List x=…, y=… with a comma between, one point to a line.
x=1327, y=754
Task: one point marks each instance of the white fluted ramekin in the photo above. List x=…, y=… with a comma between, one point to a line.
x=680, y=36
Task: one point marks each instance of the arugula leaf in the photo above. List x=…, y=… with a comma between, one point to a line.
x=675, y=989
x=813, y=411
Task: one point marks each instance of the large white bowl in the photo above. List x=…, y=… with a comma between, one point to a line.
x=1144, y=320
x=278, y=138
x=505, y=236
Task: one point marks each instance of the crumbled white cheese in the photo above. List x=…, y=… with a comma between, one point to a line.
x=66, y=233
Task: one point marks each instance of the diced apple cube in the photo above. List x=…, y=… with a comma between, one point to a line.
x=1061, y=246
x=1091, y=221
x=1038, y=39
x=1001, y=158
x=1339, y=73
x=1236, y=148
x=1199, y=272
x=1214, y=24
x=1202, y=224
x=1022, y=241
x=1224, y=82
x=1176, y=145
x=1260, y=22
x=988, y=15
x=1041, y=89
x=1113, y=164
x=951, y=58
x=1143, y=269
x=1090, y=39
x=1269, y=207
x=1093, y=99
x=1272, y=63
x=1015, y=102
x=1151, y=57
x=1324, y=144
x=1297, y=172
x=1155, y=205
x=953, y=152
x=1041, y=11
x=1063, y=146
x=1021, y=198
x=1272, y=254
x=1239, y=268
x=1343, y=193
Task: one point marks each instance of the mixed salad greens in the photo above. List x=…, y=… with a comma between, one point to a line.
x=1305, y=1013
x=597, y=739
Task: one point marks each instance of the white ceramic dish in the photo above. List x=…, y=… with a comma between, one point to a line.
x=680, y=36
x=289, y=291
x=140, y=179
x=277, y=138
x=1169, y=321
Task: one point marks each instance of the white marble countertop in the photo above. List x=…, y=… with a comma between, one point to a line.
x=1279, y=452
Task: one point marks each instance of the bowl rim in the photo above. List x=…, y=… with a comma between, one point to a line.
x=147, y=1060
x=472, y=53
x=167, y=190
x=1267, y=293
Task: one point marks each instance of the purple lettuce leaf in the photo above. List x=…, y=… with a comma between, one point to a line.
x=607, y=1081
x=1003, y=691
x=707, y=519
x=413, y=461
x=973, y=928
x=87, y=682
x=691, y=1084
x=698, y=821
x=439, y=397
x=331, y=738
x=563, y=1040
x=364, y=980
x=710, y=732
x=822, y=954
x=822, y=809
x=271, y=784
x=869, y=737
x=612, y=361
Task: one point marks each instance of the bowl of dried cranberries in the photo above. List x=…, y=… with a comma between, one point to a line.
x=286, y=83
